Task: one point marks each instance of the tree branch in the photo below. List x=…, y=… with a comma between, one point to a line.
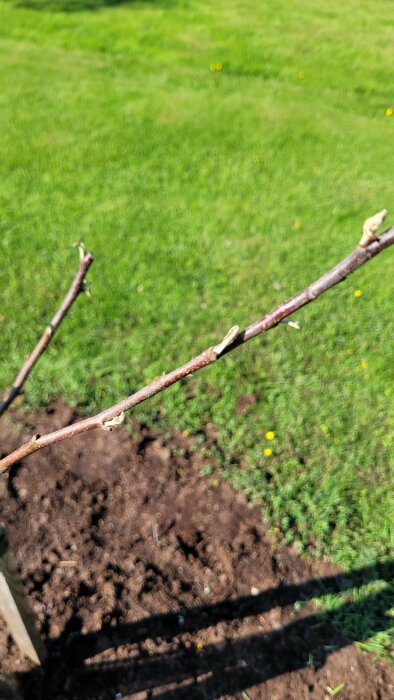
x=77, y=286
x=367, y=248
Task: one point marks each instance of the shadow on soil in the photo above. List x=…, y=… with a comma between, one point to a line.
x=216, y=669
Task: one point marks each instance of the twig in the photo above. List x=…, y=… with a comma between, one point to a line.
x=78, y=285
x=363, y=252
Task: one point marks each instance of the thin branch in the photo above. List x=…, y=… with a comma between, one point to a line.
x=78, y=286
x=113, y=416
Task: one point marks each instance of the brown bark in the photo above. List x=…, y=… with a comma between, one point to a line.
x=77, y=286
x=360, y=255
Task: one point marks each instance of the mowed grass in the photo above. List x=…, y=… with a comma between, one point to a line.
x=208, y=196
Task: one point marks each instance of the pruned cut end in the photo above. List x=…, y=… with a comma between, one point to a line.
x=227, y=340
x=81, y=248
x=370, y=227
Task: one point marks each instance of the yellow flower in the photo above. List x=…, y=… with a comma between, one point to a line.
x=301, y=75
x=297, y=224
x=267, y=452
x=364, y=364
x=212, y=67
x=270, y=435
x=185, y=433
x=358, y=293
x=389, y=112
x=199, y=646
x=219, y=66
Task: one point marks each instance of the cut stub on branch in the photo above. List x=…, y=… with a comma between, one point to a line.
x=229, y=338
x=370, y=227
x=113, y=422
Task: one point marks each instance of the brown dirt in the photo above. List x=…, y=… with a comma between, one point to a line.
x=151, y=580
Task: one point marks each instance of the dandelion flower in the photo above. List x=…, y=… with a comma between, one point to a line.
x=267, y=452
x=270, y=435
x=297, y=224
x=212, y=67
x=389, y=112
x=219, y=67
x=200, y=646
x=301, y=75
x=358, y=293
x=364, y=364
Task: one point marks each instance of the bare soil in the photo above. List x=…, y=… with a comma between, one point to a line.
x=150, y=579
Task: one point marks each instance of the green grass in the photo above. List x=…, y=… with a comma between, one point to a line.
x=364, y=613
x=187, y=183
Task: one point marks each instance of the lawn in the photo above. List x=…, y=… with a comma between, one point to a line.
x=216, y=157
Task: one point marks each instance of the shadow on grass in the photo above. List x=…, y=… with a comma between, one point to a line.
x=82, y=5
x=218, y=669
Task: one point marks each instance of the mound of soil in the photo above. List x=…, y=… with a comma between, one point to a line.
x=150, y=579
